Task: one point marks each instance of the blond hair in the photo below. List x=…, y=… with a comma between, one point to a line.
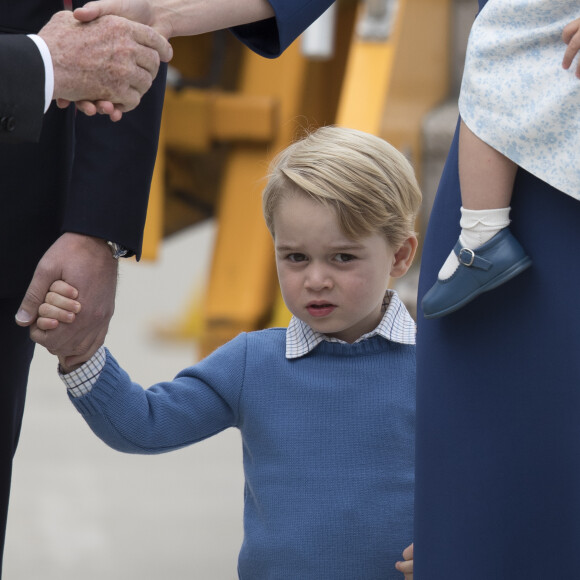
x=368, y=182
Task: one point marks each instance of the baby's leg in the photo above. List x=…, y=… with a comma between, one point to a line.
x=486, y=255
x=485, y=175
x=487, y=179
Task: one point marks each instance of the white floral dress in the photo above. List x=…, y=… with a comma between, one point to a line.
x=515, y=94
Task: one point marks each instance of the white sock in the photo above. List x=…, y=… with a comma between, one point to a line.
x=477, y=227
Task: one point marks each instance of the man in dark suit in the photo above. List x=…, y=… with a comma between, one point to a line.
x=98, y=196
x=112, y=58
x=83, y=184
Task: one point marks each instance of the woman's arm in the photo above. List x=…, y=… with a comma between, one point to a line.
x=181, y=17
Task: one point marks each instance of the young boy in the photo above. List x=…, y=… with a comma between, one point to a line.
x=325, y=408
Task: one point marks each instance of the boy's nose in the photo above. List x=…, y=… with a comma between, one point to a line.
x=317, y=279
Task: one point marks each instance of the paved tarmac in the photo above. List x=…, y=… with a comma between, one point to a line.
x=81, y=511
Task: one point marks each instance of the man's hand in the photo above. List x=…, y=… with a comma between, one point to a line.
x=174, y=18
x=111, y=60
x=87, y=264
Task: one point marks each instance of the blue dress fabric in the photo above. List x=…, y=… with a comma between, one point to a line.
x=498, y=402
x=270, y=38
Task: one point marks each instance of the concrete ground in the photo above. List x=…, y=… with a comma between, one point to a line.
x=81, y=511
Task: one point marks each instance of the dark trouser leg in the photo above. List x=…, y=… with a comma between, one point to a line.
x=16, y=351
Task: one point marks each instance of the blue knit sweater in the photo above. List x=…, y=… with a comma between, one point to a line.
x=328, y=444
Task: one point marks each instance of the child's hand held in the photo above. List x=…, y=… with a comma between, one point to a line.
x=59, y=306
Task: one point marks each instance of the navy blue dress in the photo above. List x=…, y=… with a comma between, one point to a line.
x=498, y=403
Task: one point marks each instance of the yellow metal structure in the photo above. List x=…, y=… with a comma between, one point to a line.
x=153, y=234
x=192, y=121
x=401, y=78
x=383, y=86
x=242, y=282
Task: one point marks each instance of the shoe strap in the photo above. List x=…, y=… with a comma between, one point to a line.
x=469, y=258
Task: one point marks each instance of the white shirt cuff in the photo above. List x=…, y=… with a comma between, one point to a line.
x=81, y=381
x=48, y=69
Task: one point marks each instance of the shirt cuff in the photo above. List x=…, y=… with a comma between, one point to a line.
x=82, y=380
x=48, y=69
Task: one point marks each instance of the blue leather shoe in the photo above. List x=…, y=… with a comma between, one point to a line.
x=480, y=270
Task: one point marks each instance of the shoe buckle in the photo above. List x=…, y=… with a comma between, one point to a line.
x=470, y=254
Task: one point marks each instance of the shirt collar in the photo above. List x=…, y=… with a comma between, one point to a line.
x=396, y=325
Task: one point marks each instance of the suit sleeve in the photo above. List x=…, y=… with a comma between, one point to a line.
x=21, y=89
x=271, y=37
x=112, y=171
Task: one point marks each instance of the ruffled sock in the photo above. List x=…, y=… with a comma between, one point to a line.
x=477, y=227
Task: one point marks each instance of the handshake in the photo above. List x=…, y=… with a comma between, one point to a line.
x=105, y=55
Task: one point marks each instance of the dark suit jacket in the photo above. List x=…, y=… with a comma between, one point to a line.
x=85, y=174
x=21, y=89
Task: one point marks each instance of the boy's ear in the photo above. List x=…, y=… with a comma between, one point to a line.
x=404, y=257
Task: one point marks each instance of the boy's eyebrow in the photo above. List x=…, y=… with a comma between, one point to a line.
x=348, y=246
x=285, y=248
x=351, y=246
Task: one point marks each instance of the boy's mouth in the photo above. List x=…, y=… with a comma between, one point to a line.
x=318, y=309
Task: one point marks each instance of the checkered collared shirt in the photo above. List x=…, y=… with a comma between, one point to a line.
x=396, y=325
x=80, y=381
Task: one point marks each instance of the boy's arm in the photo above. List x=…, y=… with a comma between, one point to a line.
x=571, y=36
x=201, y=401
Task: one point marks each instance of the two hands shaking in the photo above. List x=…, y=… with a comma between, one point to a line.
x=120, y=43
x=102, y=61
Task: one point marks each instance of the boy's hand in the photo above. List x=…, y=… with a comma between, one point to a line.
x=59, y=305
x=571, y=36
x=406, y=567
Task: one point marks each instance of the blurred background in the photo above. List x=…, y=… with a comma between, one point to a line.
x=82, y=511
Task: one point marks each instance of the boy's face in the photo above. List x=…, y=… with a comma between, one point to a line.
x=334, y=284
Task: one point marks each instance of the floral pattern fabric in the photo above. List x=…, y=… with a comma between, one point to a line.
x=516, y=96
